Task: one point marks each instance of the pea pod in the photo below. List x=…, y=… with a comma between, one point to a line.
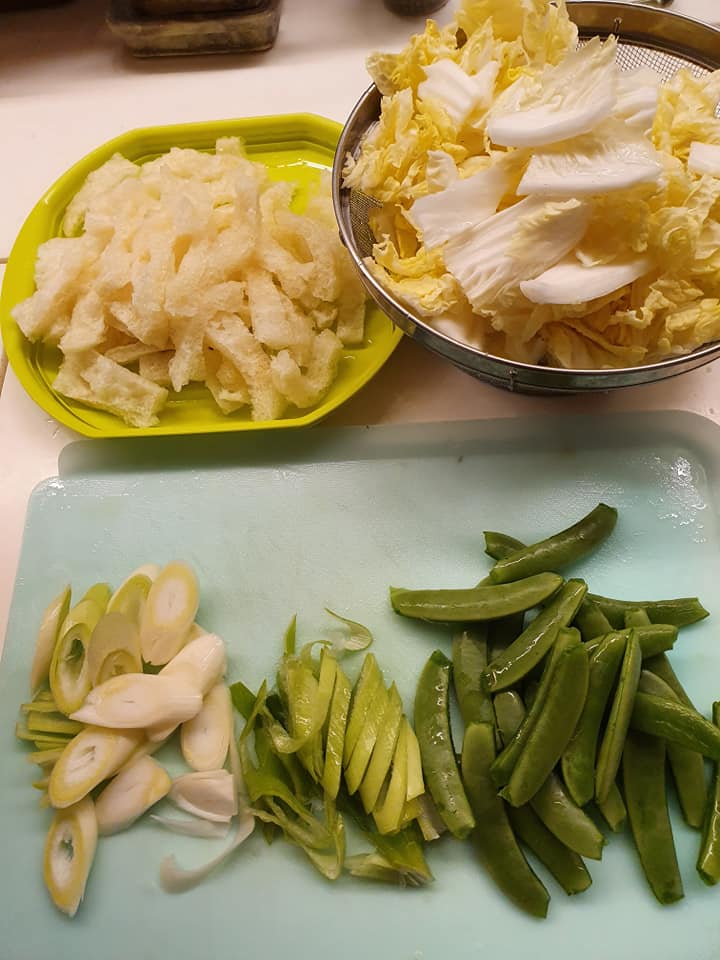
x=476, y=603
x=567, y=867
x=613, y=809
x=493, y=836
x=687, y=766
x=637, y=618
x=578, y=760
x=432, y=726
x=504, y=763
x=502, y=632
x=591, y=621
x=673, y=721
x=611, y=746
x=708, y=861
x=654, y=639
x=536, y=639
x=553, y=728
x=643, y=765
x=501, y=545
x=560, y=550
x=660, y=666
x=469, y=659
x=680, y=612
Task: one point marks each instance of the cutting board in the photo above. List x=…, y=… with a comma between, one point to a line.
x=331, y=518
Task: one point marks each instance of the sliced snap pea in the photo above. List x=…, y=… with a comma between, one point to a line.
x=505, y=761
x=566, y=820
x=432, y=728
x=680, y=612
x=500, y=545
x=536, y=639
x=677, y=723
x=476, y=603
x=565, y=865
x=611, y=746
x=553, y=728
x=578, y=760
x=653, y=639
x=613, y=809
x=493, y=837
x=558, y=551
x=687, y=766
x=591, y=621
x=708, y=861
x=469, y=659
x=637, y=618
x=660, y=666
x=643, y=766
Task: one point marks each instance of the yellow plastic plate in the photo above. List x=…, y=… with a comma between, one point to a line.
x=295, y=147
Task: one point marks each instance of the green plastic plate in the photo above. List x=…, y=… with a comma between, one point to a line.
x=296, y=147
x=330, y=518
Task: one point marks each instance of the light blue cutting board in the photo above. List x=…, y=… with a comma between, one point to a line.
x=275, y=526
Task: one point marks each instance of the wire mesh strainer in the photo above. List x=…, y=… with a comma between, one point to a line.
x=647, y=37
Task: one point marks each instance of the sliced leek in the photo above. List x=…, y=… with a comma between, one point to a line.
x=205, y=738
x=139, y=786
x=114, y=648
x=55, y=613
x=209, y=794
x=169, y=612
x=130, y=597
x=195, y=827
x=52, y=723
x=202, y=662
x=174, y=879
x=139, y=700
x=69, y=674
x=388, y=814
x=69, y=853
x=90, y=757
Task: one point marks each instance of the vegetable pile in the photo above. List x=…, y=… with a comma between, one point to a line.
x=537, y=201
x=567, y=711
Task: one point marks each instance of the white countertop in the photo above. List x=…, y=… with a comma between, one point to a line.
x=67, y=86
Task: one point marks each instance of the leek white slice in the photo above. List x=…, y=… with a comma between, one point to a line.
x=139, y=786
x=169, y=612
x=571, y=282
x=563, y=101
x=704, y=158
x=210, y=794
x=140, y=700
x=69, y=853
x=205, y=739
x=174, y=879
x=613, y=157
x=114, y=648
x=131, y=596
x=90, y=757
x=69, y=674
x=48, y=633
x=201, y=663
x=205, y=829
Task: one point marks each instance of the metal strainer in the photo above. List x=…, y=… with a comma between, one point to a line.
x=647, y=37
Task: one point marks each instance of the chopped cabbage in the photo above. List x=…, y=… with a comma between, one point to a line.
x=513, y=166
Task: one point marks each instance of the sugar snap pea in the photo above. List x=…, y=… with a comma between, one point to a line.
x=643, y=766
x=566, y=866
x=591, y=621
x=536, y=639
x=661, y=667
x=553, y=728
x=476, y=603
x=505, y=761
x=578, y=759
x=677, y=723
x=432, y=728
x=653, y=639
x=493, y=837
x=509, y=712
x=687, y=766
x=708, y=861
x=469, y=659
x=680, y=612
x=611, y=746
x=500, y=545
x=637, y=618
x=613, y=809
x=502, y=632
x=558, y=551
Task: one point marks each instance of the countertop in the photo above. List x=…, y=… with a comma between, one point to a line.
x=67, y=86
